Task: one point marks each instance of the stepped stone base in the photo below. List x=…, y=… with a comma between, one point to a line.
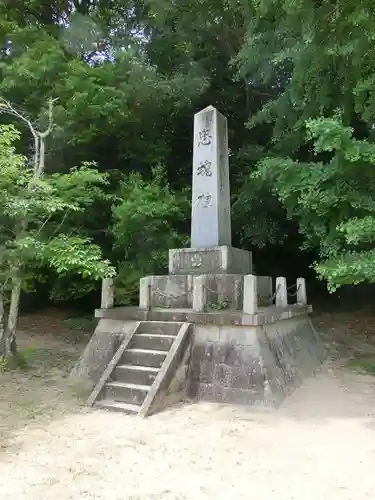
x=232, y=358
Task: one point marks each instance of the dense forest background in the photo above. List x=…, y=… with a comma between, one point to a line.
x=296, y=80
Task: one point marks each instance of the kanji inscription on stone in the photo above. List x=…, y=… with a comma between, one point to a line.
x=211, y=220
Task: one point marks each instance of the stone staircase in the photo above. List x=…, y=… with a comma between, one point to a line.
x=141, y=368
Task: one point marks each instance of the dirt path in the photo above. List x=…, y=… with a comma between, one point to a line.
x=319, y=445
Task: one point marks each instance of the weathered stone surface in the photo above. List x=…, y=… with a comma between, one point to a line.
x=100, y=350
x=107, y=300
x=215, y=260
x=301, y=291
x=237, y=336
x=171, y=291
x=220, y=394
x=216, y=291
x=281, y=299
x=261, y=366
x=292, y=350
x=223, y=317
x=210, y=218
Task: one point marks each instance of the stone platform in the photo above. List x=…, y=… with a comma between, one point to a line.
x=234, y=357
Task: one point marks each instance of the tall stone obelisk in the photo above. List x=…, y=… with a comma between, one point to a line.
x=211, y=251
x=210, y=218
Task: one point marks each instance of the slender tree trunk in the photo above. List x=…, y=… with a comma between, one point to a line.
x=10, y=332
x=3, y=342
x=42, y=152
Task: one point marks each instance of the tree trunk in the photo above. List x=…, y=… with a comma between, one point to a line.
x=10, y=332
x=3, y=341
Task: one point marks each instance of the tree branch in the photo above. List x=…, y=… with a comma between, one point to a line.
x=50, y=119
x=6, y=107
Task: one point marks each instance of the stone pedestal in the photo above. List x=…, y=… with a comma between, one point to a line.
x=216, y=260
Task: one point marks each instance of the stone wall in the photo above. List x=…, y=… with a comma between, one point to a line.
x=252, y=365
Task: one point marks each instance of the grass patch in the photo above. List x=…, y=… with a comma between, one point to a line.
x=81, y=323
x=20, y=361
x=363, y=364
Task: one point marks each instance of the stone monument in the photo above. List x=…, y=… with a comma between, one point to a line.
x=211, y=256
x=248, y=343
x=210, y=214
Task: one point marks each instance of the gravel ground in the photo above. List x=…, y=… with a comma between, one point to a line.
x=319, y=445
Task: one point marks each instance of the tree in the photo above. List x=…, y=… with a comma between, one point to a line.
x=146, y=223
x=333, y=200
x=33, y=209
x=317, y=56
x=129, y=76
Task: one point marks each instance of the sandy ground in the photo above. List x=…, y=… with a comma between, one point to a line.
x=320, y=445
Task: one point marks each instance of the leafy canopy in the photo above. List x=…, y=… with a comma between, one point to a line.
x=333, y=200
x=34, y=214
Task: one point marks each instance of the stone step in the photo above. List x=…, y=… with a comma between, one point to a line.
x=135, y=374
x=143, y=357
x=160, y=327
x=133, y=394
x=110, y=404
x=155, y=341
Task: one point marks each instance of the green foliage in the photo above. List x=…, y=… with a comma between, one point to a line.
x=20, y=361
x=363, y=364
x=34, y=216
x=220, y=305
x=335, y=206
x=145, y=226
x=317, y=59
x=271, y=67
x=317, y=56
x=4, y=363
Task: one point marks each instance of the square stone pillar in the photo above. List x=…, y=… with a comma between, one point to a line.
x=281, y=292
x=250, y=294
x=301, y=292
x=200, y=295
x=210, y=216
x=107, y=300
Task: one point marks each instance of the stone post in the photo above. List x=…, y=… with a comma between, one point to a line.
x=200, y=292
x=108, y=297
x=145, y=293
x=281, y=292
x=250, y=294
x=301, y=292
